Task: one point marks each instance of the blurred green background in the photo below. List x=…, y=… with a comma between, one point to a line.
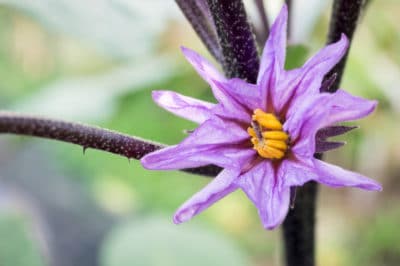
x=97, y=62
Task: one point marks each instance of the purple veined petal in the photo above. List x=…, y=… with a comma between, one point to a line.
x=275, y=46
x=263, y=186
x=317, y=112
x=217, y=131
x=286, y=83
x=303, y=125
x=189, y=108
x=215, y=79
x=214, y=142
x=315, y=69
x=346, y=107
x=246, y=94
x=296, y=172
x=244, y=99
x=230, y=107
x=334, y=176
x=268, y=84
x=218, y=188
x=181, y=157
x=207, y=71
x=308, y=115
x=298, y=84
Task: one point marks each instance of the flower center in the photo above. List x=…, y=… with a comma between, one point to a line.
x=267, y=135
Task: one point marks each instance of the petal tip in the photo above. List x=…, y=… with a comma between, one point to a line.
x=156, y=95
x=184, y=215
x=270, y=226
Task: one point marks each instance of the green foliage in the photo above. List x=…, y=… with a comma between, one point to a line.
x=296, y=55
x=16, y=246
x=155, y=242
x=378, y=243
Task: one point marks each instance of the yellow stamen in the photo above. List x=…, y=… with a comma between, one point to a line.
x=267, y=135
x=276, y=144
x=278, y=135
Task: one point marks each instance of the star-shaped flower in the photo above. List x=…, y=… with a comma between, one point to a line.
x=263, y=135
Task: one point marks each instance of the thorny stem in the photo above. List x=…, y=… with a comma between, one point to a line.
x=299, y=226
x=236, y=39
x=202, y=24
x=87, y=137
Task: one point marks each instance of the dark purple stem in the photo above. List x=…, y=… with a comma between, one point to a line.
x=236, y=39
x=87, y=137
x=299, y=226
x=202, y=23
x=263, y=32
x=345, y=15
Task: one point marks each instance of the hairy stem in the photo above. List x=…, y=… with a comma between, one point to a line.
x=299, y=226
x=87, y=137
x=236, y=39
x=344, y=18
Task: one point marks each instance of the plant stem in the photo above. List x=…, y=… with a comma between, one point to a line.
x=344, y=18
x=299, y=226
x=87, y=137
x=236, y=39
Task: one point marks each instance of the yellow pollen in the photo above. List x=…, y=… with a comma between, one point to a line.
x=267, y=135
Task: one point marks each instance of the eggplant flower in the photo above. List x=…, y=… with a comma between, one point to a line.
x=263, y=135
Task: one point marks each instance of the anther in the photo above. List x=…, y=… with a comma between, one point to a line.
x=267, y=135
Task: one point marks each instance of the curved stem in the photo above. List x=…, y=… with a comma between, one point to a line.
x=87, y=137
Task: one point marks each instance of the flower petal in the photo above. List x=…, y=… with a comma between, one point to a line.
x=189, y=108
x=346, y=107
x=211, y=143
x=217, y=131
x=296, y=173
x=318, y=112
x=183, y=156
x=205, y=69
x=275, y=46
x=218, y=188
x=334, y=176
x=322, y=62
x=220, y=85
x=299, y=84
x=208, y=72
x=264, y=187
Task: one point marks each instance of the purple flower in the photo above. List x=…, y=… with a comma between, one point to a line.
x=263, y=135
